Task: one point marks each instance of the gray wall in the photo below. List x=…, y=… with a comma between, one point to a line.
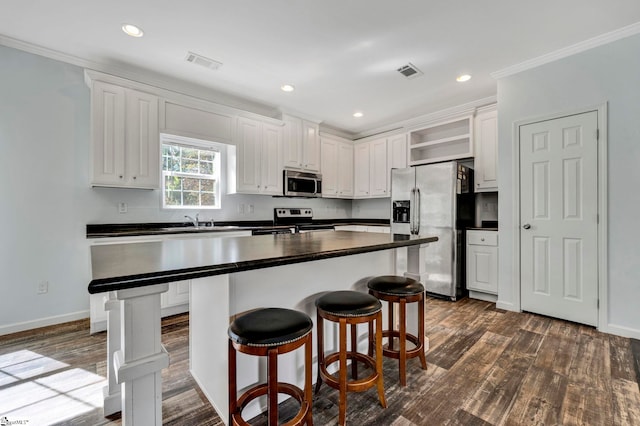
x=46, y=198
x=610, y=73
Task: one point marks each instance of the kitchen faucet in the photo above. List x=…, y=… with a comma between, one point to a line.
x=195, y=221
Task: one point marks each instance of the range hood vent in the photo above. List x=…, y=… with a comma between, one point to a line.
x=203, y=61
x=409, y=71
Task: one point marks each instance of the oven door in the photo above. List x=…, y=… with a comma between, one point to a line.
x=300, y=184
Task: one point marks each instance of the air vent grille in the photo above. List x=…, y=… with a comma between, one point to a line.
x=203, y=61
x=409, y=71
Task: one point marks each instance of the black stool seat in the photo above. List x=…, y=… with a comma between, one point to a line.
x=395, y=285
x=270, y=327
x=348, y=303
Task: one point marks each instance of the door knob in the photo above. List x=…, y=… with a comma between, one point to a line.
x=526, y=226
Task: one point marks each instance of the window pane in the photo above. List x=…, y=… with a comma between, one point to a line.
x=207, y=155
x=190, y=153
x=208, y=199
x=206, y=168
x=173, y=198
x=190, y=184
x=190, y=166
x=207, y=185
x=191, y=198
x=173, y=183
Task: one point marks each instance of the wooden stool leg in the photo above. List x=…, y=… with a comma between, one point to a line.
x=423, y=359
x=354, y=349
x=272, y=389
x=390, y=324
x=233, y=403
x=320, y=346
x=379, y=357
x=307, y=375
x=371, y=339
x=343, y=372
x=403, y=343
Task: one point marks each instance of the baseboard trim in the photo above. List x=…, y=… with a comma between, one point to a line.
x=507, y=306
x=620, y=330
x=43, y=322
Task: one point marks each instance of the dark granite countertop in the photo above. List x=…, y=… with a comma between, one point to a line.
x=121, y=266
x=481, y=229
x=161, y=228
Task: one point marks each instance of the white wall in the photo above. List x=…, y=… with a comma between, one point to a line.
x=610, y=73
x=46, y=199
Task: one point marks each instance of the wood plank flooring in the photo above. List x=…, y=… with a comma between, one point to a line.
x=486, y=367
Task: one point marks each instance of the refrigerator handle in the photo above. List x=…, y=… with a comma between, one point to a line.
x=418, y=202
x=412, y=212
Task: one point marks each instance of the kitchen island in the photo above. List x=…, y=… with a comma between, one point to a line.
x=228, y=276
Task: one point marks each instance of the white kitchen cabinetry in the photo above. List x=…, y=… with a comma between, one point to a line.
x=371, y=170
x=482, y=264
x=301, y=144
x=337, y=168
x=258, y=157
x=124, y=137
x=449, y=140
x=196, y=119
x=486, y=143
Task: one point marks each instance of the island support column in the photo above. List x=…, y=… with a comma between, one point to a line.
x=139, y=362
x=111, y=392
x=416, y=266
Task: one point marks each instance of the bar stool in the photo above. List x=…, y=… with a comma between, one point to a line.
x=270, y=332
x=350, y=308
x=401, y=290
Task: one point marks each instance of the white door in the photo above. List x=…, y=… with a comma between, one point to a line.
x=558, y=218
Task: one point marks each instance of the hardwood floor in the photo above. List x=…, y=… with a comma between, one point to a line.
x=486, y=367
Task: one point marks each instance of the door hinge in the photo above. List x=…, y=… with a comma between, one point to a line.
x=597, y=135
x=598, y=303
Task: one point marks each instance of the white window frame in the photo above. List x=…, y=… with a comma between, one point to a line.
x=219, y=165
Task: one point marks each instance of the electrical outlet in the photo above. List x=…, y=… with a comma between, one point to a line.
x=241, y=208
x=250, y=208
x=122, y=207
x=43, y=287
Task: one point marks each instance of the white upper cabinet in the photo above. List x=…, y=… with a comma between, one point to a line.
x=196, y=120
x=371, y=169
x=329, y=170
x=443, y=141
x=486, y=141
x=258, y=160
x=337, y=168
x=301, y=144
x=124, y=137
x=345, y=170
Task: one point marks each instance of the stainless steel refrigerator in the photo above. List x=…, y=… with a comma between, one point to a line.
x=436, y=199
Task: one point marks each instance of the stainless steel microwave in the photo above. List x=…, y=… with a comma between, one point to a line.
x=302, y=184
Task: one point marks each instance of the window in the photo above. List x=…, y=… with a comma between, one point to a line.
x=191, y=173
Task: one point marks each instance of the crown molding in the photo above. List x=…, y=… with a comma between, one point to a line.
x=585, y=45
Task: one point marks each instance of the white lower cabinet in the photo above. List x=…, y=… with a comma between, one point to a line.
x=482, y=264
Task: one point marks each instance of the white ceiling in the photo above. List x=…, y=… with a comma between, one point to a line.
x=341, y=55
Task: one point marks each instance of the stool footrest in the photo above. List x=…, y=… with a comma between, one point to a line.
x=395, y=353
x=261, y=390
x=357, y=385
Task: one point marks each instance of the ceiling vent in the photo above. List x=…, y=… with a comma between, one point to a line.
x=203, y=61
x=409, y=71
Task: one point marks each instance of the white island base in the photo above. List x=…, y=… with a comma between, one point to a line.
x=214, y=301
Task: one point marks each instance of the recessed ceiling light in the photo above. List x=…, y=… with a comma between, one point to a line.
x=132, y=30
x=287, y=88
x=358, y=114
x=464, y=77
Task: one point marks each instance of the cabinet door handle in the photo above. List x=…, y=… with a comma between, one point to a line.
x=120, y=176
x=526, y=226
x=482, y=239
x=134, y=177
